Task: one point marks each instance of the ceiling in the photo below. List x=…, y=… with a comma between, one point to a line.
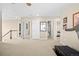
x=36, y=9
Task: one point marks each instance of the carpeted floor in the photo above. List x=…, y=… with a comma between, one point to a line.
x=28, y=47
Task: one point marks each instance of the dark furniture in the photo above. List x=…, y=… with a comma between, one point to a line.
x=65, y=51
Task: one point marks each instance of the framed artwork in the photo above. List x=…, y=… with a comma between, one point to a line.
x=65, y=23
x=75, y=19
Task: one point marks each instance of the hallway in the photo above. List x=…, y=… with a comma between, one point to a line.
x=35, y=30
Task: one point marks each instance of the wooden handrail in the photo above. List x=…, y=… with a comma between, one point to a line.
x=10, y=31
x=6, y=34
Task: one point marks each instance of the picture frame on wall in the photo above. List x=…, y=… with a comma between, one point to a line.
x=64, y=23
x=75, y=19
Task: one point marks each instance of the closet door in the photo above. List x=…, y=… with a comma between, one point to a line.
x=36, y=29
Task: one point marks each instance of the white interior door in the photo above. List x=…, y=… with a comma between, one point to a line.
x=35, y=29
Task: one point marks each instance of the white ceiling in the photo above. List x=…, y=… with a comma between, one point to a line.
x=36, y=9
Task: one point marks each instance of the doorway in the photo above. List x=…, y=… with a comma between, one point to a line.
x=49, y=29
x=24, y=29
x=45, y=29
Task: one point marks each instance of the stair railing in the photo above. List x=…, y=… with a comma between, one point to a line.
x=10, y=31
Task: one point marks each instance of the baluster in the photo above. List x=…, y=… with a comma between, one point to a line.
x=10, y=34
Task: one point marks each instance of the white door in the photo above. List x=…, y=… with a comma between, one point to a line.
x=35, y=29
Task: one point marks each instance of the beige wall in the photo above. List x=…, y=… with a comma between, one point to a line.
x=12, y=24
x=0, y=25
x=35, y=26
x=9, y=25
x=70, y=38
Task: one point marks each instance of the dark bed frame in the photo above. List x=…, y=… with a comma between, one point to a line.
x=65, y=51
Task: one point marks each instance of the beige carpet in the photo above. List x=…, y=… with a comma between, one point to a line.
x=28, y=47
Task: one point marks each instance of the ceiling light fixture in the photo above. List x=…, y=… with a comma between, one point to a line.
x=28, y=4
